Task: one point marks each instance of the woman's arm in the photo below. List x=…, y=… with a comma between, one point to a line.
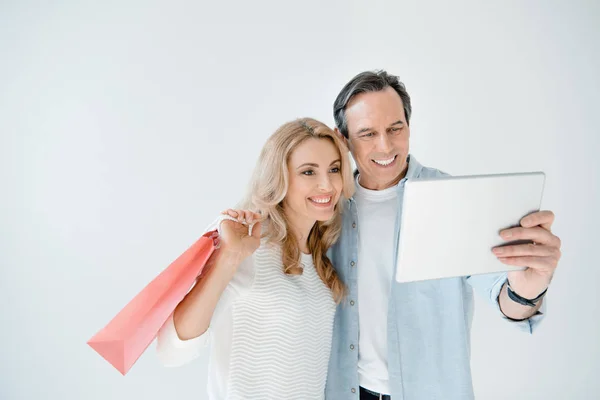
x=183, y=336
x=192, y=316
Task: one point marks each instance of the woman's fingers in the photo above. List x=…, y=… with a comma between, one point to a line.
x=230, y=212
x=243, y=216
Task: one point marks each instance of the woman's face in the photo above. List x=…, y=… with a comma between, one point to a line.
x=315, y=181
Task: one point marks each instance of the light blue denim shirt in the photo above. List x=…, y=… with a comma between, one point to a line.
x=428, y=322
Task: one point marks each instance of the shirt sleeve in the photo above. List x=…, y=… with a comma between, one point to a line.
x=490, y=285
x=172, y=351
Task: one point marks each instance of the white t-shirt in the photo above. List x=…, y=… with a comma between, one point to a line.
x=270, y=334
x=377, y=210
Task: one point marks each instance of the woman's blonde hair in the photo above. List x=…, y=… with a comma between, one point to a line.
x=269, y=186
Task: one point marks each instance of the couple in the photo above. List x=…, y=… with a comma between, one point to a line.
x=300, y=301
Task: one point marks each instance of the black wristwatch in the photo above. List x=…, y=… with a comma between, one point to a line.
x=521, y=300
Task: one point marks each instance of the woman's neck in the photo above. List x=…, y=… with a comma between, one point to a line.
x=301, y=228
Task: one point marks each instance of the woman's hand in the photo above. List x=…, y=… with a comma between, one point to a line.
x=234, y=235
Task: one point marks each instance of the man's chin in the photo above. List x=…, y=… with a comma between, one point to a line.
x=379, y=179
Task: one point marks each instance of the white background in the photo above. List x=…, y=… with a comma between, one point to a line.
x=126, y=126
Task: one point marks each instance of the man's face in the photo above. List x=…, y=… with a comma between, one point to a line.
x=378, y=137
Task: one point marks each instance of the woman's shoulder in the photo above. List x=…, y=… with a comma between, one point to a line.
x=267, y=253
x=243, y=278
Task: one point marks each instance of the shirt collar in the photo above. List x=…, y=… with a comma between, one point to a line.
x=413, y=171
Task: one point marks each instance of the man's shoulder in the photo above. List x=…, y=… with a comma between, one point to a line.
x=427, y=172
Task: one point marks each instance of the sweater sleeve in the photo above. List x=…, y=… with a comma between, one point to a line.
x=171, y=349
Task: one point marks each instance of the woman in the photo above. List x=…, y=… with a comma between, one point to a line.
x=267, y=300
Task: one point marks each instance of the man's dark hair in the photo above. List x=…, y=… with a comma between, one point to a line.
x=368, y=81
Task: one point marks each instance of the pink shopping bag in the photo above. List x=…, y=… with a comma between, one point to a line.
x=123, y=340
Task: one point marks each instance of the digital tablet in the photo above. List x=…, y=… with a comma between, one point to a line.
x=449, y=225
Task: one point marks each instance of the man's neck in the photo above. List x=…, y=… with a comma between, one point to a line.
x=375, y=186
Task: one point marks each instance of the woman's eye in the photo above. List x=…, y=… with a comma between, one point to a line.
x=309, y=172
x=335, y=170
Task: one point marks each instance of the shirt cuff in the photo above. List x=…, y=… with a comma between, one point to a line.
x=528, y=325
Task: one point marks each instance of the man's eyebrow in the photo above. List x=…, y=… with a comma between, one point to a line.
x=363, y=130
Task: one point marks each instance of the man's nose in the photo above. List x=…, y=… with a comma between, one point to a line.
x=384, y=144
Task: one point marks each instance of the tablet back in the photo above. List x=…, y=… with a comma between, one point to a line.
x=449, y=225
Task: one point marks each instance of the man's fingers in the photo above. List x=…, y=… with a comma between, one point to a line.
x=539, y=263
x=524, y=250
x=544, y=218
x=536, y=234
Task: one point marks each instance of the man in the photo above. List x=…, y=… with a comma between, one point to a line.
x=411, y=341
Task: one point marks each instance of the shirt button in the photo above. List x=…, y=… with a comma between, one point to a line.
x=351, y=302
x=354, y=224
x=353, y=390
x=351, y=347
x=352, y=263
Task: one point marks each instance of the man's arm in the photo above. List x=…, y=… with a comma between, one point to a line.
x=541, y=258
x=491, y=286
x=513, y=309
